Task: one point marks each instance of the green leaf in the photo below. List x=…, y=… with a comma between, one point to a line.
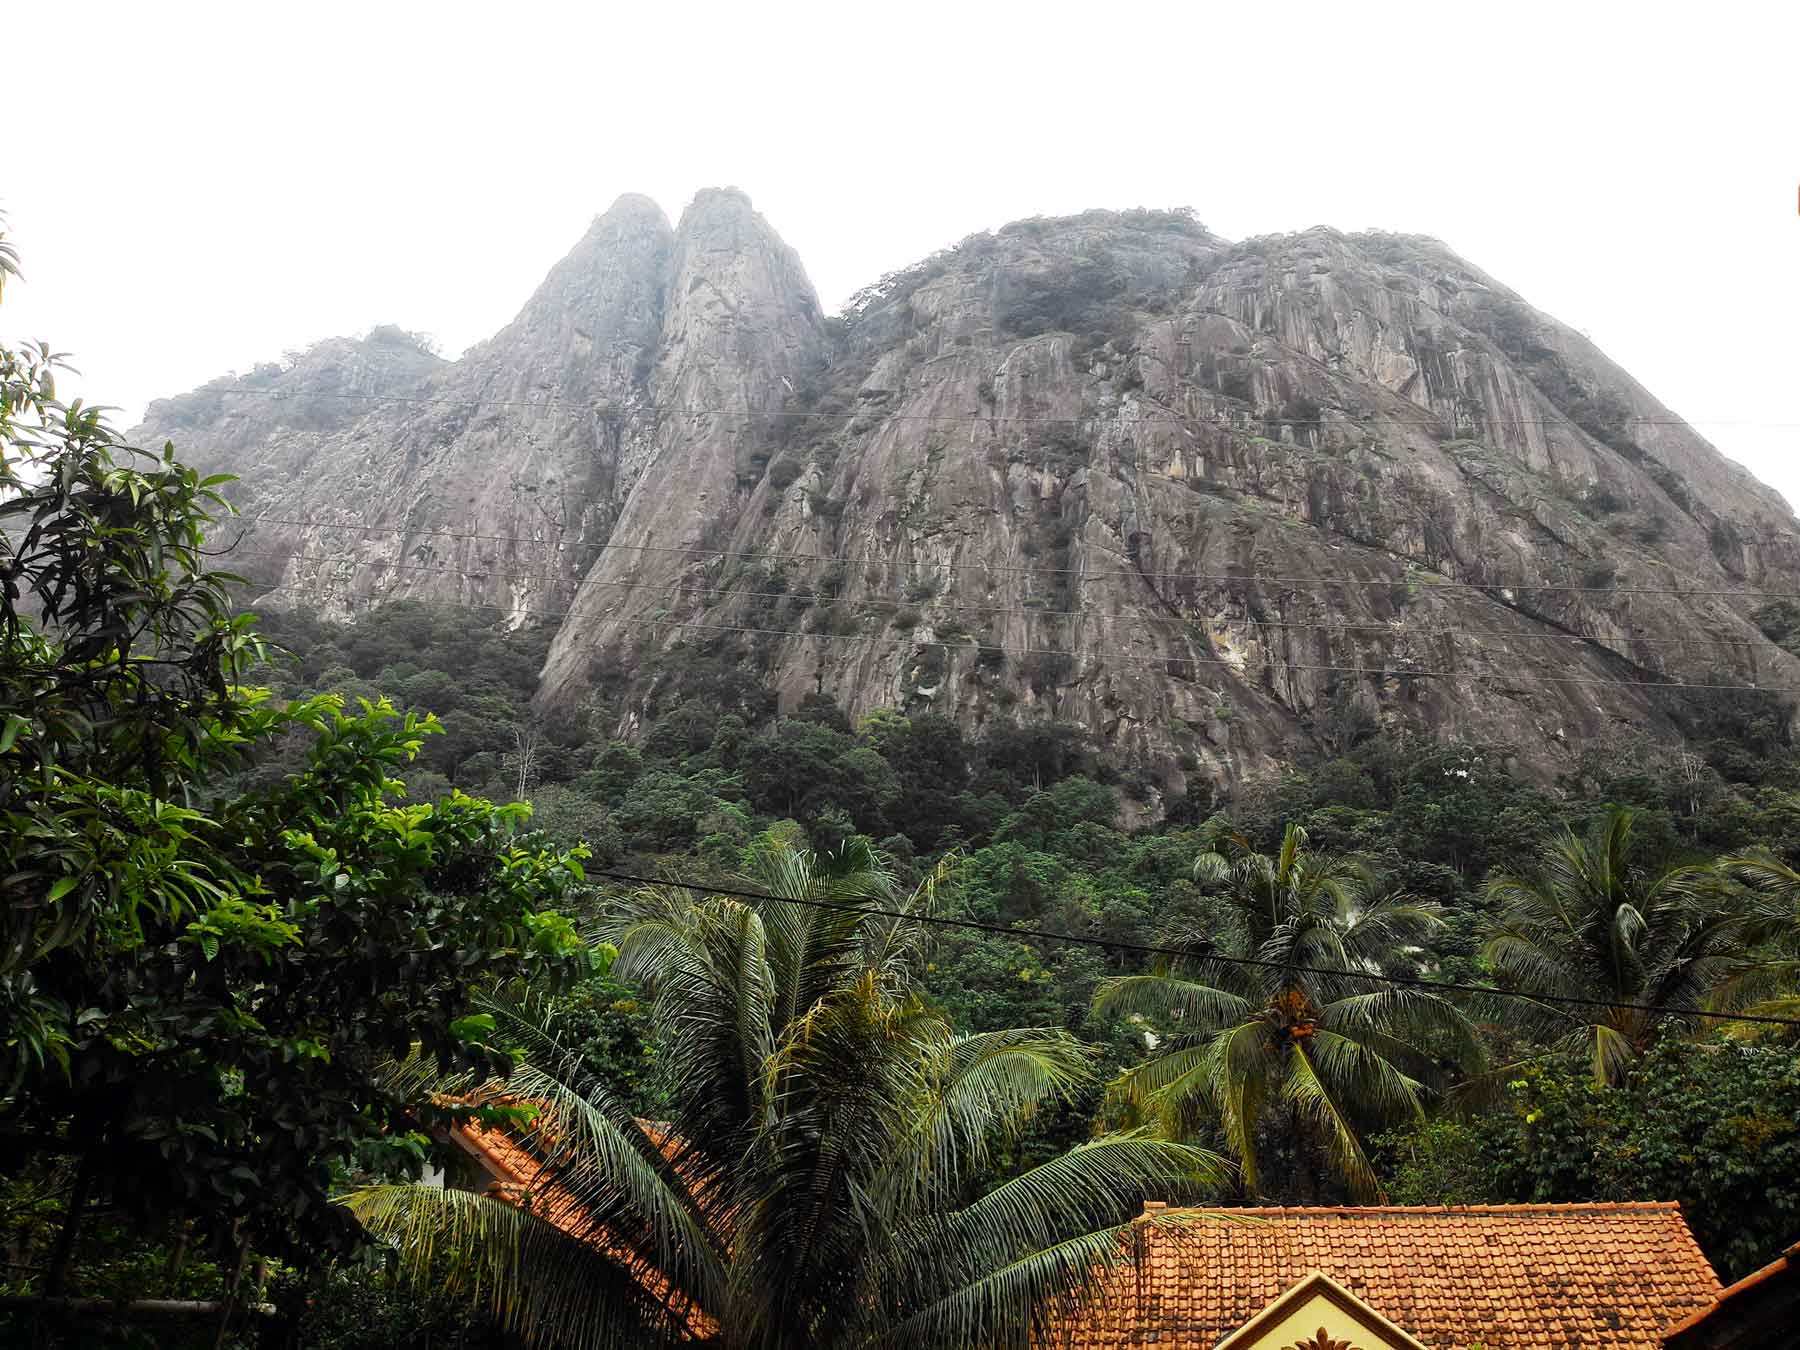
x=10, y=733
x=475, y=1027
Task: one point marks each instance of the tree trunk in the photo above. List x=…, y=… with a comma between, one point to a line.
x=231, y=1294
x=58, y=1277
x=177, y=1257
x=127, y=1308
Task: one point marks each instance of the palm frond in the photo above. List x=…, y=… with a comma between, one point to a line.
x=1179, y=1072
x=983, y=1087
x=1308, y=1090
x=1610, y=1056
x=1241, y=1071
x=1187, y=1001
x=1092, y=1184
x=892, y=944
x=1363, y=1080
x=1037, y=1297
x=1401, y=1018
x=534, y=1280
x=621, y=1185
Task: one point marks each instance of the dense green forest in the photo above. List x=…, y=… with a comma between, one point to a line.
x=1027, y=817
x=286, y=900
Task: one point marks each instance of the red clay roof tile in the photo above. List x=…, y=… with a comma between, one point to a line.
x=1506, y=1277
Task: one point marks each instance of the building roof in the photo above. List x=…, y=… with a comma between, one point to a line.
x=1760, y=1305
x=1318, y=1300
x=1503, y=1277
x=520, y=1177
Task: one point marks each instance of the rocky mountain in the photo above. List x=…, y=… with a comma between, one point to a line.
x=1224, y=505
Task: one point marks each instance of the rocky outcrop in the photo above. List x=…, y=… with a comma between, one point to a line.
x=742, y=334
x=1223, y=505
x=371, y=471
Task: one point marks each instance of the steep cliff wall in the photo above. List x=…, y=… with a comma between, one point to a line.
x=489, y=481
x=1223, y=505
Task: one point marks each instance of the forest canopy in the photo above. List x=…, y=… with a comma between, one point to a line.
x=288, y=902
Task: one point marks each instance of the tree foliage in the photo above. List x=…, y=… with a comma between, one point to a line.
x=203, y=968
x=1257, y=1021
x=1713, y=1125
x=813, y=1184
x=1588, y=922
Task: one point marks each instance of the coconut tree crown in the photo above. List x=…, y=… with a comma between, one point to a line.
x=826, y=1174
x=1270, y=1016
x=1588, y=921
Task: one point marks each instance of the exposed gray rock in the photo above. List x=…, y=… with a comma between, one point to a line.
x=1222, y=505
x=492, y=480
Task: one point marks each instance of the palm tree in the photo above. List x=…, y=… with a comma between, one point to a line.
x=820, y=1182
x=1266, y=1035
x=1767, y=982
x=1589, y=923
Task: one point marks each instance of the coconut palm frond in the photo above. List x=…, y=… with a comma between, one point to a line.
x=1377, y=932
x=417, y=1078
x=1242, y=1070
x=1610, y=1055
x=1403, y=1019
x=529, y=1276
x=1532, y=962
x=1186, y=1001
x=1368, y=1082
x=984, y=1088
x=1180, y=1073
x=1784, y=1005
x=1022, y=1302
x=619, y=1184
x=1094, y=1185
x=1308, y=1091
x=1751, y=984
x=897, y=944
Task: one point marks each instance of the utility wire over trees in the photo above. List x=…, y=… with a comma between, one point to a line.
x=816, y=1181
x=1297, y=1036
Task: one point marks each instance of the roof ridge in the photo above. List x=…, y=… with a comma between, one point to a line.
x=1602, y=1274
x=1488, y=1210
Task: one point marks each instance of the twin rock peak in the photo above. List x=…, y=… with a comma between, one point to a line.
x=1224, y=506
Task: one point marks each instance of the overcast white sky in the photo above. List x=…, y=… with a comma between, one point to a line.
x=197, y=187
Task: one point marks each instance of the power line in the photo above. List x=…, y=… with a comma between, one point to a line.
x=1163, y=662
x=1051, y=935
x=1429, y=577
x=1396, y=629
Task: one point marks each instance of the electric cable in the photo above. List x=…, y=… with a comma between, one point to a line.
x=1209, y=954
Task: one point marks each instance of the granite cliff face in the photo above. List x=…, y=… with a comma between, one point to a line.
x=1223, y=505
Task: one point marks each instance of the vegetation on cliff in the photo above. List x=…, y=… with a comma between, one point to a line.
x=268, y=933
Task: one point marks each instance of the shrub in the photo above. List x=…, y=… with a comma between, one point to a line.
x=357, y=1307
x=1711, y=1125
x=1599, y=574
x=783, y=472
x=1044, y=670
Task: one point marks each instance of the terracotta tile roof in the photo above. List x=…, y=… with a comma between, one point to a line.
x=1754, y=1303
x=521, y=1178
x=1504, y=1277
